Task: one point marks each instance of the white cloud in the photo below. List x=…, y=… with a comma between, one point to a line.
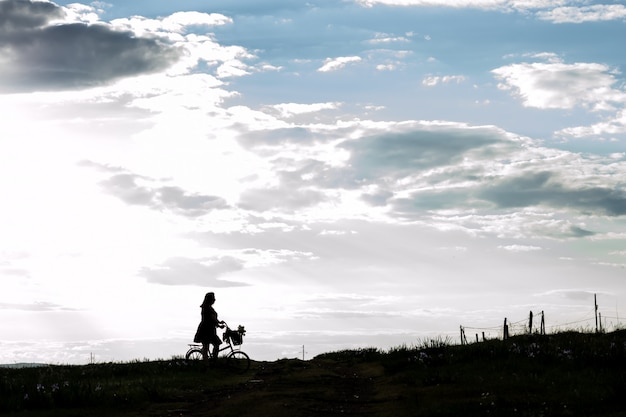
x=615, y=125
x=556, y=11
x=434, y=80
x=180, y=21
x=483, y=4
x=562, y=86
x=594, y=13
x=77, y=12
x=385, y=38
x=519, y=248
x=293, y=109
x=176, y=23
x=334, y=64
x=446, y=3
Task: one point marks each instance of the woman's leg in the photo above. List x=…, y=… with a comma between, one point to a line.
x=205, y=352
x=216, y=351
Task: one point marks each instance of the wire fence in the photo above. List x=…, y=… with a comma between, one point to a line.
x=535, y=323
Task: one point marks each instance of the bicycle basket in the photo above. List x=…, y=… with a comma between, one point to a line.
x=236, y=337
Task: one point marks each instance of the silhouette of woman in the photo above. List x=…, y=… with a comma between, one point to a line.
x=207, y=330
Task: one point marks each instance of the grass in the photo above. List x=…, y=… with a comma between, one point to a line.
x=564, y=374
x=103, y=386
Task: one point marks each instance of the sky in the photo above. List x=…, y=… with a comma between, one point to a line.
x=342, y=174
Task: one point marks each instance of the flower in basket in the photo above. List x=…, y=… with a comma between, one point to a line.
x=241, y=330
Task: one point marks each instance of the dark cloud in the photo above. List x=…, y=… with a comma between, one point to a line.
x=400, y=154
x=17, y=15
x=126, y=187
x=383, y=159
x=185, y=271
x=375, y=159
x=528, y=190
x=579, y=232
x=38, y=56
x=545, y=188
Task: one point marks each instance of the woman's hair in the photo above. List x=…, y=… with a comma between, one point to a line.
x=208, y=298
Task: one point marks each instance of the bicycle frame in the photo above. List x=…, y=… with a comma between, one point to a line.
x=198, y=346
x=236, y=359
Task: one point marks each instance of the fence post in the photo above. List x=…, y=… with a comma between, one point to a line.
x=505, y=330
x=463, y=339
x=595, y=303
x=543, y=324
x=530, y=323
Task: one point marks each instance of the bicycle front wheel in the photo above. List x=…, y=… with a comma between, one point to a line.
x=238, y=361
x=194, y=355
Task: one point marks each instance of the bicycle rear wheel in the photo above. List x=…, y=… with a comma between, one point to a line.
x=194, y=355
x=238, y=361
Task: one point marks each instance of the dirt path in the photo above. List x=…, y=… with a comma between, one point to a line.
x=289, y=388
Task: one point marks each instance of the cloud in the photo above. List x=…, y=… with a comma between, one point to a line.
x=348, y=306
x=612, y=126
x=186, y=271
x=398, y=154
x=17, y=15
x=36, y=306
x=431, y=3
x=411, y=170
x=504, y=5
x=385, y=38
x=580, y=232
x=139, y=190
x=594, y=13
x=545, y=188
x=179, y=22
x=562, y=86
x=334, y=64
x=16, y=272
x=556, y=11
x=289, y=196
x=519, y=248
x=432, y=81
x=293, y=109
x=39, y=55
x=578, y=295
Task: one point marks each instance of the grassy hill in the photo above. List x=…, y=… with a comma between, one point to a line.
x=566, y=374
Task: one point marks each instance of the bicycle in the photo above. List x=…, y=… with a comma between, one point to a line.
x=236, y=359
